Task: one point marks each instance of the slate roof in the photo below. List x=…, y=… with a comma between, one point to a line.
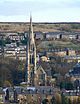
x=46, y=67
x=75, y=71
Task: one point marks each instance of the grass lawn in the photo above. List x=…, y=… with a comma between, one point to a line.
x=58, y=44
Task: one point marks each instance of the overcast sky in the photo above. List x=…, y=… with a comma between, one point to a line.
x=41, y=10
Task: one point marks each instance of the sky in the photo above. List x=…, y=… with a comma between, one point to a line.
x=41, y=10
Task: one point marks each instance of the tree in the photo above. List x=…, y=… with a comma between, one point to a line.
x=76, y=83
x=75, y=26
x=62, y=85
x=78, y=100
x=64, y=99
x=7, y=41
x=66, y=85
x=7, y=83
x=45, y=101
x=10, y=72
x=53, y=100
x=24, y=42
x=70, y=101
x=2, y=42
x=5, y=74
x=66, y=28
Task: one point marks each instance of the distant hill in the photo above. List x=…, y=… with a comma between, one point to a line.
x=43, y=27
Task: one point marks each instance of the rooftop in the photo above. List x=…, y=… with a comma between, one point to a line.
x=75, y=71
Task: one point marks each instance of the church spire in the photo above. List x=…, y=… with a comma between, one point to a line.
x=31, y=56
x=31, y=30
x=30, y=19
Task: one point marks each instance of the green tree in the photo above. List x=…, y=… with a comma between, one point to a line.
x=2, y=42
x=64, y=99
x=68, y=86
x=45, y=101
x=7, y=41
x=24, y=42
x=62, y=85
x=75, y=26
x=53, y=100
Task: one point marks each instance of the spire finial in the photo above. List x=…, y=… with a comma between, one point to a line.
x=30, y=17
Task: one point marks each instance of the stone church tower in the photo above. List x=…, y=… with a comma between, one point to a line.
x=30, y=57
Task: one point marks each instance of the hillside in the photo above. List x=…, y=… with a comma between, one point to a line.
x=43, y=27
x=45, y=45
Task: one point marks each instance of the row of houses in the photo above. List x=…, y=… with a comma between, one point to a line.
x=19, y=52
x=60, y=52
x=12, y=51
x=74, y=75
x=62, y=35
x=65, y=54
x=40, y=35
x=16, y=36
x=12, y=35
x=15, y=94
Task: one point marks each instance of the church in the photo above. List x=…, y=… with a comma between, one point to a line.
x=34, y=73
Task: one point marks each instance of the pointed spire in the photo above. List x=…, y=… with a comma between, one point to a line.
x=30, y=18
x=31, y=56
x=31, y=30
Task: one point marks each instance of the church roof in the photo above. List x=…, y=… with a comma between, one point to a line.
x=39, y=67
x=75, y=71
x=46, y=67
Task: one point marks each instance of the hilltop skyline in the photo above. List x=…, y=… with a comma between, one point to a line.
x=42, y=11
